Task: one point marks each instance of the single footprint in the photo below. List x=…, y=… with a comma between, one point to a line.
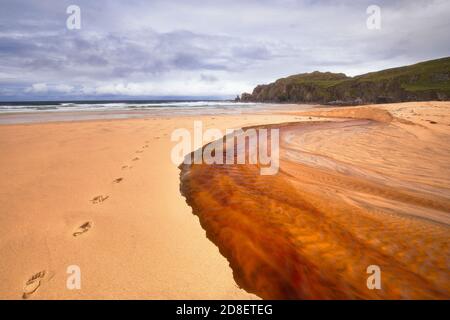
x=146, y=146
x=124, y=167
x=139, y=151
x=157, y=137
x=99, y=199
x=82, y=229
x=33, y=284
x=118, y=180
x=135, y=159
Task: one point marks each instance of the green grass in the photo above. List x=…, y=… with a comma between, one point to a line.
x=427, y=86
x=321, y=79
x=421, y=79
x=423, y=70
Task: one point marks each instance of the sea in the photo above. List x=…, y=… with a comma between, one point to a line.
x=47, y=111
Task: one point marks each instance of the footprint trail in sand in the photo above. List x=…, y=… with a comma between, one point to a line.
x=33, y=284
x=82, y=229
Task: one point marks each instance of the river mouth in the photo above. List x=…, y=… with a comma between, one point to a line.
x=349, y=194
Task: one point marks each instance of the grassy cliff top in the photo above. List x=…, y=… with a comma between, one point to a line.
x=428, y=75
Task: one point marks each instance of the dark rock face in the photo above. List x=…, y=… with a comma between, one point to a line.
x=423, y=81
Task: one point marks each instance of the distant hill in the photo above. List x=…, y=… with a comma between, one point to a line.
x=428, y=80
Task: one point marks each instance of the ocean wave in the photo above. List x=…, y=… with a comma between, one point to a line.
x=121, y=106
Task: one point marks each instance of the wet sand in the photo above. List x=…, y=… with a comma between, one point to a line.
x=104, y=195
x=355, y=188
x=371, y=187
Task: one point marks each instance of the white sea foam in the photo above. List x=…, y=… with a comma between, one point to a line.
x=66, y=111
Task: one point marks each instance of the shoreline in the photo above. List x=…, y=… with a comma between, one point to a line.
x=24, y=117
x=143, y=240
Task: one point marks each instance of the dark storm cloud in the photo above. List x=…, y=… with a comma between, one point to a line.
x=205, y=47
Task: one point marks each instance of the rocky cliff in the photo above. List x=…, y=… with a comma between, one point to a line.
x=428, y=80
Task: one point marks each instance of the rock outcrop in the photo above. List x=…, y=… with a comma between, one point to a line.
x=428, y=80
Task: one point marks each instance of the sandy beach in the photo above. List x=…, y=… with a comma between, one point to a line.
x=143, y=241
x=221, y=158
x=104, y=195
x=366, y=186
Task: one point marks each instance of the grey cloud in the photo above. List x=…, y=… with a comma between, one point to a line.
x=214, y=42
x=149, y=52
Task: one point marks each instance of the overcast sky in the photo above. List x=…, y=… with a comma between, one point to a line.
x=138, y=49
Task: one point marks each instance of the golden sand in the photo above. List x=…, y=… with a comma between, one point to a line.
x=104, y=196
x=369, y=188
